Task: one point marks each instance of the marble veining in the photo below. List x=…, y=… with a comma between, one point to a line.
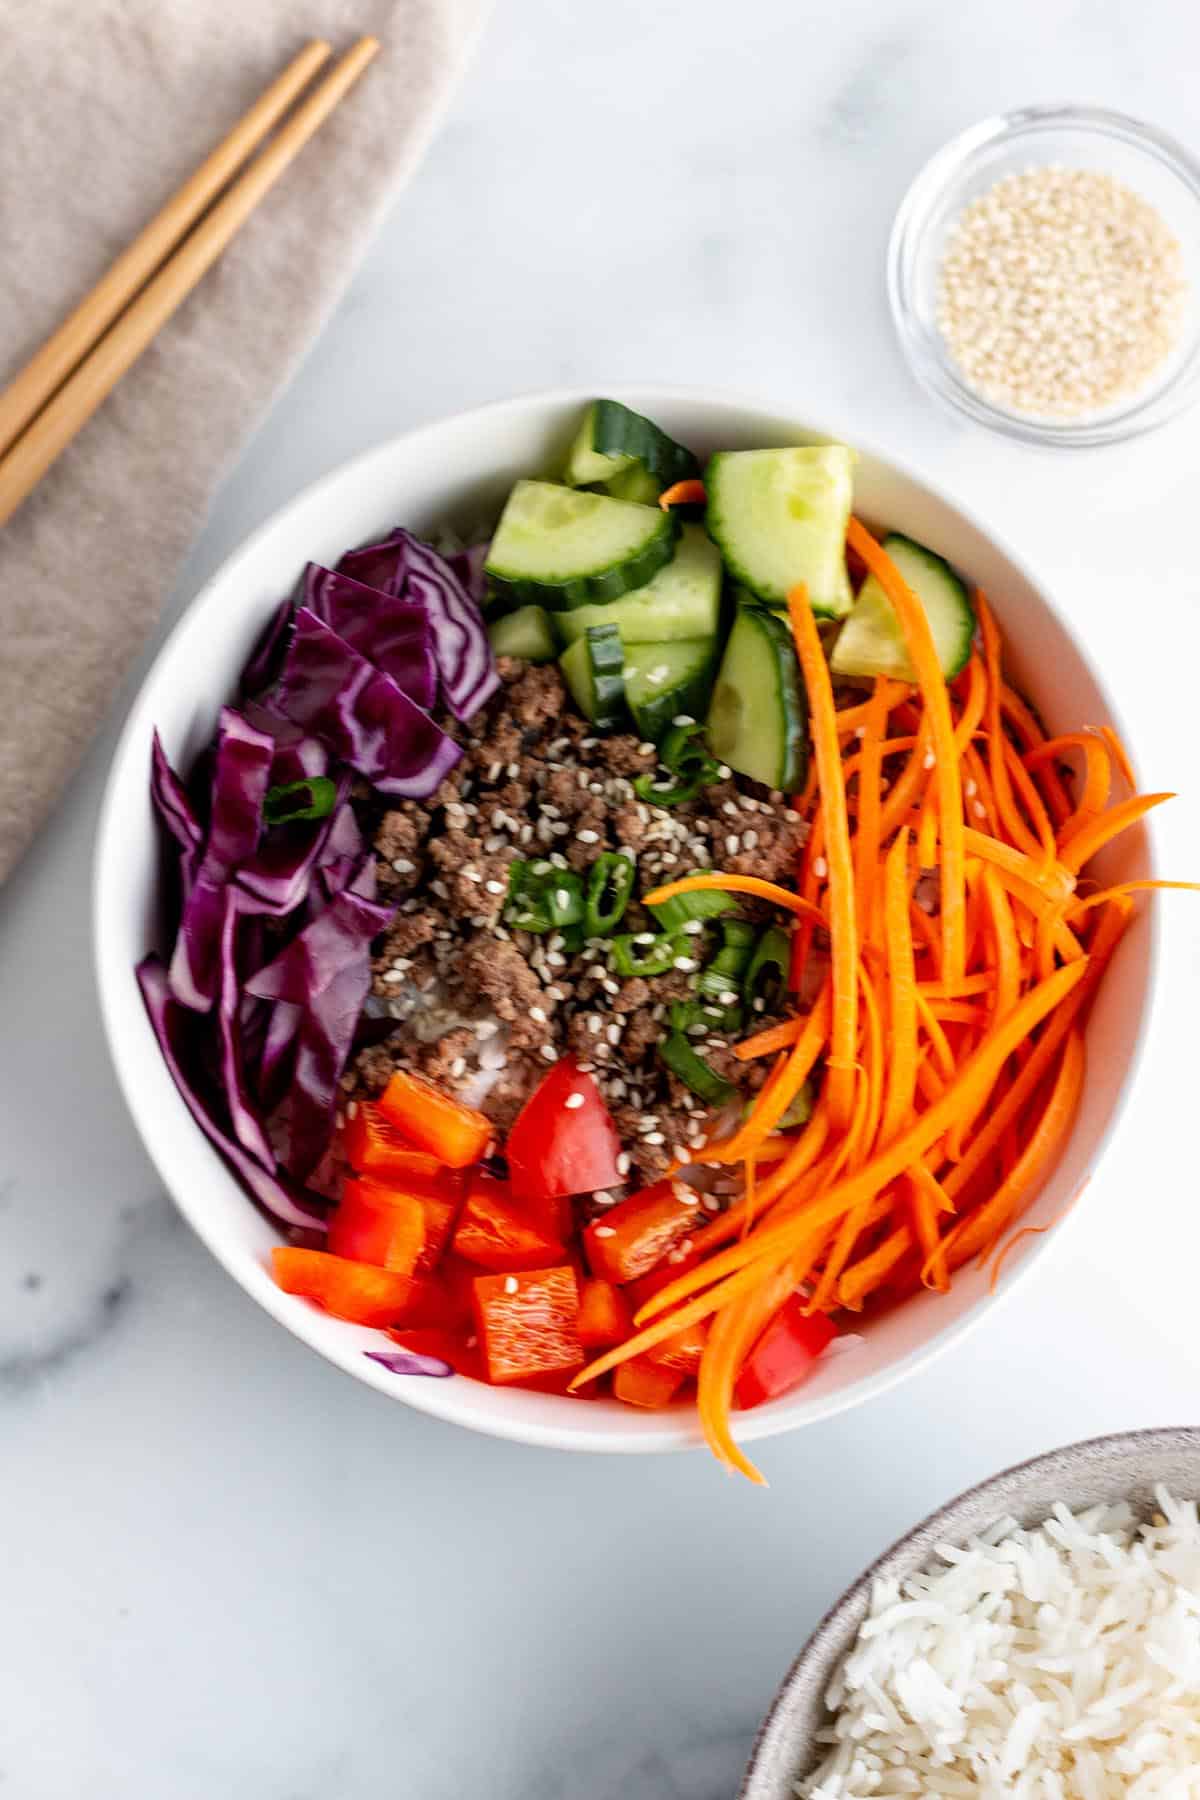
x=231, y=1572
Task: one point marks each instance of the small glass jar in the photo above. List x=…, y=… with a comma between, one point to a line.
x=1150, y=162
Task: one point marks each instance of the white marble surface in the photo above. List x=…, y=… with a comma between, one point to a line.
x=226, y=1570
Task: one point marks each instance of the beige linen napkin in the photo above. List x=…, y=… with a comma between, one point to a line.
x=107, y=106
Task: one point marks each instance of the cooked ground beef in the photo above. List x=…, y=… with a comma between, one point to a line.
x=483, y=1009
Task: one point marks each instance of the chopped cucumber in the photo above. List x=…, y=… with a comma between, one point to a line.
x=593, y=669
x=682, y=601
x=635, y=483
x=526, y=633
x=780, y=518
x=871, y=641
x=758, y=719
x=665, y=681
x=558, y=547
x=612, y=439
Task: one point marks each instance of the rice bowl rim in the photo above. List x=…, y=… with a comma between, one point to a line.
x=1122, y=1466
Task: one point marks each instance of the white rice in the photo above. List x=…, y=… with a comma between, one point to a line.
x=1061, y=1663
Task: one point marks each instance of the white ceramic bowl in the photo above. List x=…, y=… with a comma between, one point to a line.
x=458, y=472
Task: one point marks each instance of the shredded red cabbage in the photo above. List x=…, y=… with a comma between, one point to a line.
x=411, y=1362
x=262, y=1004
x=402, y=565
x=391, y=633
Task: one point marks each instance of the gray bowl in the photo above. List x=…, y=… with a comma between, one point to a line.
x=1127, y=1466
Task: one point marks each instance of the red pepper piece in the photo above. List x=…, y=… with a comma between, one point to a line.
x=454, y=1347
x=604, y=1315
x=374, y=1146
x=436, y=1122
x=634, y=1236
x=639, y=1382
x=563, y=1141
x=495, y=1233
x=350, y=1290
x=526, y=1323
x=784, y=1354
x=375, y=1224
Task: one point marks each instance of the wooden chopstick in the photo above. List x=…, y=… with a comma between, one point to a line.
x=95, y=377
x=51, y=365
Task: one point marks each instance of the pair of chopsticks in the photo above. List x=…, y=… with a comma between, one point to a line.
x=57, y=392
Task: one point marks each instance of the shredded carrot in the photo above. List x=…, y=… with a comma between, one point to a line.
x=864, y=1276
x=1130, y=887
x=683, y=493
x=923, y=655
x=977, y=1231
x=1003, y=1250
x=798, y=1161
x=1055, y=882
x=1028, y=728
x=739, y=884
x=928, y=1198
x=1080, y=848
x=973, y=706
x=976, y=1076
x=774, y=1099
x=766, y=1043
x=1097, y=766
x=902, y=992
x=866, y=846
x=843, y=922
x=1118, y=753
x=1006, y=951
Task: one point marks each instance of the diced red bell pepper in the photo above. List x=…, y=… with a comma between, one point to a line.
x=375, y=1224
x=374, y=1146
x=526, y=1323
x=495, y=1233
x=604, y=1315
x=434, y=1121
x=639, y=1382
x=563, y=1140
x=350, y=1290
x=683, y=1351
x=784, y=1354
x=636, y=1234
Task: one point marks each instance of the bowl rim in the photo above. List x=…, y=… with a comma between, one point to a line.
x=1119, y=1446
x=652, y=1433
x=935, y=368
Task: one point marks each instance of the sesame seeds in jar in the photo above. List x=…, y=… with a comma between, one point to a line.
x=1061, y=292
x=1043, y=273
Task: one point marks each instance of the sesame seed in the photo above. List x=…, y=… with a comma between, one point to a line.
x=624, y=1163
x=589, y=837
x=749, y=839
x=820, y=868
x=573, y=1102
x=654, y=1137
x=512, y=771
x=604, y=1231
x=402, y=865
x=930, y=761
x=393, y=975
x=647, y=750
x=548, y=1053
x=595, y=1024
x=728, y=999
x=724, y=771
x=1060, y=291
x=538, y=1014
x=458, y=1067
x=493, y=773
x=683, y=719
x=979, y=809
x=472, y=875
x=687, y=964
x=613, y=1034
x=352, y=1110
x=970, y=788
x=730, y=807
x=555, y=993
x=692, y=927
x=556, y=941
x=602, y=1197
x=588, y=743
x=511, y=1284
x=486, y=1028
x=643, y=937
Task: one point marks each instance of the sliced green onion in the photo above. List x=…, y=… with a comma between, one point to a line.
x=609, y=888
x=706, y=903
x=797, y=1114
x=631, y=956
x=685, y=757
x=311, y=798
x=695, y=1016
x=767, y=975
x=542, y=898
x=694, y=1072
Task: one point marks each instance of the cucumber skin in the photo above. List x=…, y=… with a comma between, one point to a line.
x=790, y=776
x=589, y=590
x=600, y=657
x=653, y=715
x=618, y=431
x=693, y=542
